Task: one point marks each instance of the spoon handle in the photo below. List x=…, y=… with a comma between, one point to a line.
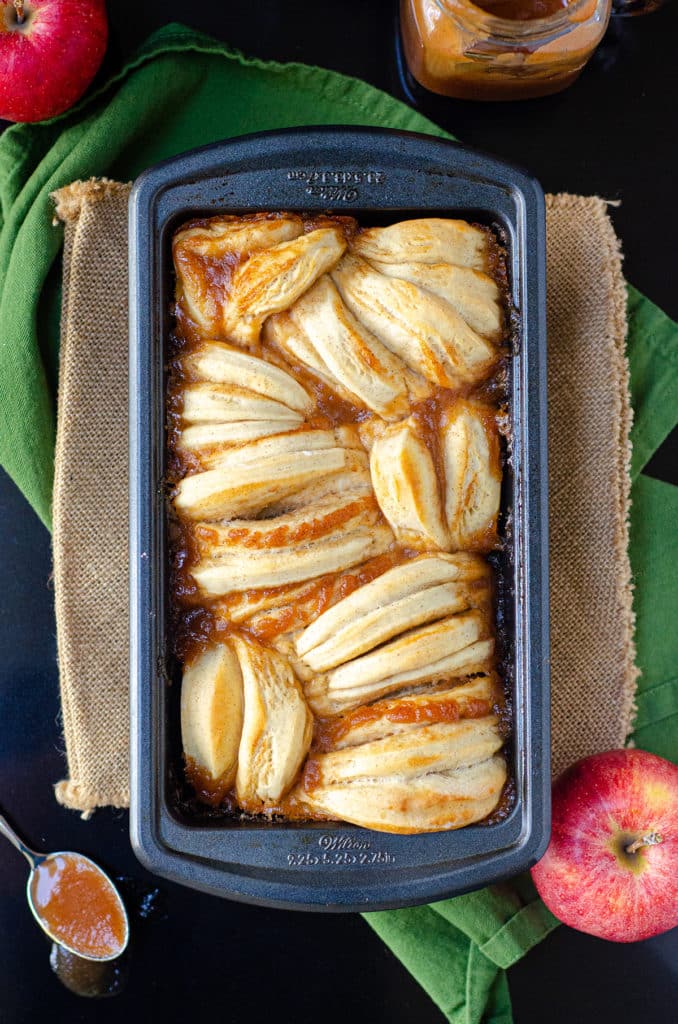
x=8, y=832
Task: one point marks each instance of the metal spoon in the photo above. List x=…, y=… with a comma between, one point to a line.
x=36, y=861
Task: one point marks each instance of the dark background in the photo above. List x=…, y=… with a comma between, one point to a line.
x=612, y=133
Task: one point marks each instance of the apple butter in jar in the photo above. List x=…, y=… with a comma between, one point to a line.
x=500, y=49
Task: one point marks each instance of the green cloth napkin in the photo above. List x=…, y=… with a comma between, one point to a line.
x=182, y=90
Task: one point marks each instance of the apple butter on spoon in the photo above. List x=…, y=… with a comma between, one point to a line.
x=74, y=901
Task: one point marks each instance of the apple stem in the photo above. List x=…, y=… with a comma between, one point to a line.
x=19, y=8
x=652, y=839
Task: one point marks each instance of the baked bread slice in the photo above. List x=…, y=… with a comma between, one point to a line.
x=422, y=590
x=239, y=486
x=433, y=755
x=471, y=460
x=236, y=567
x=231, y=403
x=348, y=353
x=406, y=486
x=212, y=717
x=426, y=240
x=204, y=255
x=273, y=278
x=435, y=802
x=425, y=331
x=220, y=363
x=474, y=295
x=277, y=726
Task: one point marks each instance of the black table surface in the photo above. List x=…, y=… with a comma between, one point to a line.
x=613, y=134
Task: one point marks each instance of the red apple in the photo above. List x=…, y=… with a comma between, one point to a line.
x=611, y=868
x=50, y=50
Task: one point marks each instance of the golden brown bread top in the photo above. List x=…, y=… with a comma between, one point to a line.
x=335, y=461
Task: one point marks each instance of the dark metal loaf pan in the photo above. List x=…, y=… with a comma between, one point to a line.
x=380, y=177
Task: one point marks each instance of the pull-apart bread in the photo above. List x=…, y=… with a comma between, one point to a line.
x=335, y=477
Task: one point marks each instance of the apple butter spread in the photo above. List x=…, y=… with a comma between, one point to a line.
x=500, y=49
x=79, y=906
x=335, y=473
x=522, y=10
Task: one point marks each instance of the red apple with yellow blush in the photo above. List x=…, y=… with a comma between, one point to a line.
x=50, y=50
x=611, y=868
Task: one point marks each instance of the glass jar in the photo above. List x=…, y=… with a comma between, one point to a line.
x=455, y=48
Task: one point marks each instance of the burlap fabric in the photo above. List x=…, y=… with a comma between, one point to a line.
x=90, y=535
x=593, y=671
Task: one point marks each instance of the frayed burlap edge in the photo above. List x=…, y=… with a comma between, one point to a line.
x=69, y=200
x=81, y=798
